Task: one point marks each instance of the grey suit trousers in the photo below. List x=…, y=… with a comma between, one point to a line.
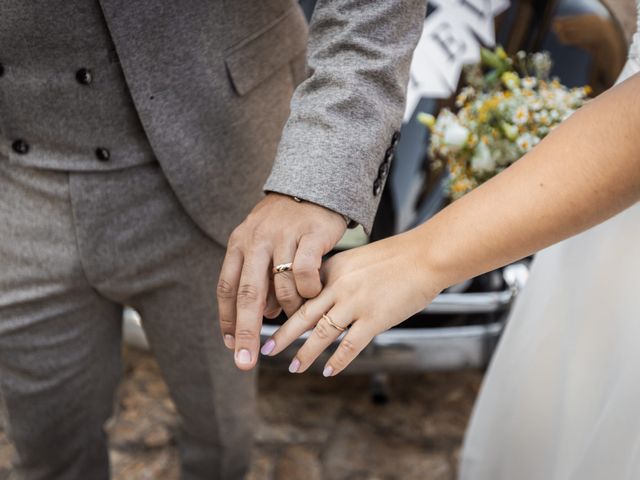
x=74, y=248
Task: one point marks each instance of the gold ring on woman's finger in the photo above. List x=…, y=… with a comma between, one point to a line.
x=333, y=324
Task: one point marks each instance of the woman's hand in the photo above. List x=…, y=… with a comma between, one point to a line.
x=371, y=288
x=583, y=172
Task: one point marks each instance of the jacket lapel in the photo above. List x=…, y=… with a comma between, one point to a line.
x=168, y=51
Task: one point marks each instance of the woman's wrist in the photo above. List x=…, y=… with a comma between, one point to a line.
x=428, y=261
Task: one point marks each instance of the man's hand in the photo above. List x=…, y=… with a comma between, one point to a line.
x=279, y=230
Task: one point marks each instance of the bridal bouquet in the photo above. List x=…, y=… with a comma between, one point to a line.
x=507, y=107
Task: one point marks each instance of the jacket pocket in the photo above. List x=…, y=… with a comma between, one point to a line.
x=262, y=54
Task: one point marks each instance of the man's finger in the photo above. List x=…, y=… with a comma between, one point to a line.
x=356, y=339
x=250, y=306
x=273, y=308
x=303, y=320
x=306, y=266
x=330, y=326
x=226, y=292
x=284, y=283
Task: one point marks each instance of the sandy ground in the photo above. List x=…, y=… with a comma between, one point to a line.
x=310, y=428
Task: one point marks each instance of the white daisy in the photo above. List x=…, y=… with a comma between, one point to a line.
x=482, y=160
x=455, y=135
x=529, y=82
x=521, y=115
x=527, y=141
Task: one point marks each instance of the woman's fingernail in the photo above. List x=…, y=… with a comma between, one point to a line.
x=244, y=357
x=268, y=347
x=295, y=365
x=229, y=341
x=328, y=371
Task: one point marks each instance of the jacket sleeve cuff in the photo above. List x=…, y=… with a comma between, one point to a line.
x=327, y=183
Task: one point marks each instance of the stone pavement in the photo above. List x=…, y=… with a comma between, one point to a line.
x=311, y=428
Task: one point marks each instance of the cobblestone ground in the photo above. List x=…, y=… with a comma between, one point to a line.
x=310, y=428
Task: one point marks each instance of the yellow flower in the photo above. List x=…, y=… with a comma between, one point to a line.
x=510, y=131
x=426, y=119
x=510, y=80
x=462, y=185
x=456, y=169
x=486, y=107
x=465, y=94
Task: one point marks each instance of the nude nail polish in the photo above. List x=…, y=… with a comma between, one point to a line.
x=295, y=365
x=328, y=371
x=229, y=341
x=268, y=347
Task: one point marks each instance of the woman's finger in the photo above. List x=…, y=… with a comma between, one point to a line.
x=357, y=338
x=330, y=326
x=303, y=320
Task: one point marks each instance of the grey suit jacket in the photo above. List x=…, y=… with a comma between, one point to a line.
x=214, y=83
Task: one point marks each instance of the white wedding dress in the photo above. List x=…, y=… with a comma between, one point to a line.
x=561, y=400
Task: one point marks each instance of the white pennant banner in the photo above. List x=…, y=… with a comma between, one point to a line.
x=451, y=37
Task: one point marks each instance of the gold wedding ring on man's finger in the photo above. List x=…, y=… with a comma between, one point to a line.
x=333, y=324
x=283, y=267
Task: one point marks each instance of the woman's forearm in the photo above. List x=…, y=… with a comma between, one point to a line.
x=585, y=171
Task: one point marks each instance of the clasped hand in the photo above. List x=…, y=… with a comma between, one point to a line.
x=368, y=289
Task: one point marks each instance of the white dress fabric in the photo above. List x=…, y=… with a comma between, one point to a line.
x=561, y=400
